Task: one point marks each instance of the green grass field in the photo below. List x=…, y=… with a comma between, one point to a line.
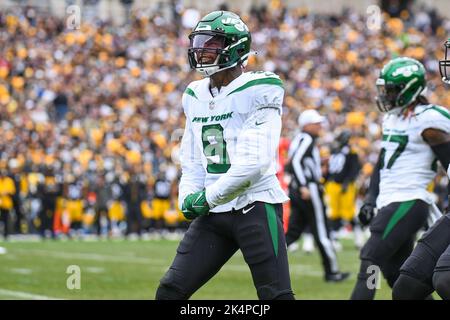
x=119, y=269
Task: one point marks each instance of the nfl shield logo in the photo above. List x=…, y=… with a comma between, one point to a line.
x=211, y=105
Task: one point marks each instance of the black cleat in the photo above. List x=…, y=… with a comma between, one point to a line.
x=337, y=277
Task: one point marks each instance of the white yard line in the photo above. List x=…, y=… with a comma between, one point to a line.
x=25, y=295
x=94, y=269
x=24, y=271
x=91, y=256
x=293, y=268
x=296, y=268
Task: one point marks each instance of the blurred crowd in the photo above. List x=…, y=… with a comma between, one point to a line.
x=91, y=118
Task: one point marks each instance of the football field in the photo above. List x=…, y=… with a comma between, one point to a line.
x=119, y=269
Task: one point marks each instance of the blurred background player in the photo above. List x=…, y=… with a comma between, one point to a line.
x=75, y=193
x=7, y=191
x=161, y=200
x=116, y=205
x=17, y=176
x=49, y=190
x=340, y=188
x=428, y=267
x=305, y=192
x=412, y=129
x=103, y=196
x=133, y=195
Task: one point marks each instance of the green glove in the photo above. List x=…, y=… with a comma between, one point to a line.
x=188, y=214
x=195, y=205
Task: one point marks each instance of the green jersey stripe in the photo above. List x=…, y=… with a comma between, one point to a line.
x=273, y=81
x=440, y=110
x=190, y=92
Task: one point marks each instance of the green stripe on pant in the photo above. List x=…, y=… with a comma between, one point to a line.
x=398, y=215
x=273, y=227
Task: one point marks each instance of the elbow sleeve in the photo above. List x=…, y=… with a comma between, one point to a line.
x=442, y=152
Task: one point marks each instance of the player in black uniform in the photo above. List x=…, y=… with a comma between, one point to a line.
x=340, y=186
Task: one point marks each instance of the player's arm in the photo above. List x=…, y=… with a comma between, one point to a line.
x=374, y=185
x=256, y=149
x=367, y=211
x=355, y=166
x=439, y=141
x=351, y=169
x=192, y=171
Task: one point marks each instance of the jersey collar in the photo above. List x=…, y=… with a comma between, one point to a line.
x=204, y=93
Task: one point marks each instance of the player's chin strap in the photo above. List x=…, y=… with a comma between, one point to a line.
x=208, y=71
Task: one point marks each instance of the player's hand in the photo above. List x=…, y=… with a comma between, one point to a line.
x=195, y=205
x=305, y=194
x=188, y=214
x=366, y=213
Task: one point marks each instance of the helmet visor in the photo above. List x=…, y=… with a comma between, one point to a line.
x=207, y=48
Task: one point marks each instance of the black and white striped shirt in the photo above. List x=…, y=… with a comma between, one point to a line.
x=304, y=160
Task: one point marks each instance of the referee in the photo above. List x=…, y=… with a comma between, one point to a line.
x=305, y=192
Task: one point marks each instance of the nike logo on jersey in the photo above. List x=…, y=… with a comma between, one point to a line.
x=245, y=211
x=259, y=123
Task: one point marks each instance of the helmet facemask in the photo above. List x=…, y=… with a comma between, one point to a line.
x=387, y=95
x=444, y=65
x=207, y=52
x=211, y=51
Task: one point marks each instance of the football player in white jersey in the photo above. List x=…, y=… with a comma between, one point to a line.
x=415, y=135
x=428, y=267
x=228, y=158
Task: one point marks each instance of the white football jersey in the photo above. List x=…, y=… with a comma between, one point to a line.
x=409, y=164
x=230, y=141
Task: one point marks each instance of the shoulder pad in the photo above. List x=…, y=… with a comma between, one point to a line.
x=256, y=78
x=432, y=112
x=433, y=116
x=192, y=89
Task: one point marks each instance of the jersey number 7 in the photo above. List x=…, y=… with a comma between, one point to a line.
x=402, y=141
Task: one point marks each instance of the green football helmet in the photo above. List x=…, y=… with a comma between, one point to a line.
x=444, y=65
x=220, y=41
x=401, y=82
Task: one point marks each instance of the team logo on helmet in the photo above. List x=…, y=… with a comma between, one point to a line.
x=406, y=71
